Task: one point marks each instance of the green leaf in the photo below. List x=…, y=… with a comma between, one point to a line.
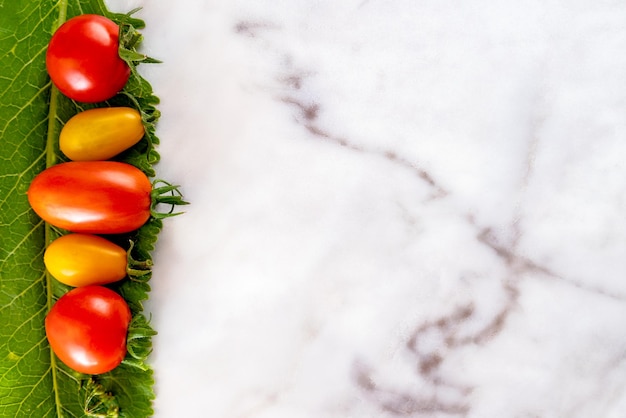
x=33, y=382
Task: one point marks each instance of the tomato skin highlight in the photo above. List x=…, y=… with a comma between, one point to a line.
x=100, y=134
x=83, y=59
x=87, y=329
x=95, y=197
x=83, y=259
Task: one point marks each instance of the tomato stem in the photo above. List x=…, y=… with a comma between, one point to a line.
x=168, y=194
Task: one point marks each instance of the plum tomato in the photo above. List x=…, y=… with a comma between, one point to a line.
x=83, y=259
x=100, y=134
x=87, y=329
x=92, y=197
x=83, y=59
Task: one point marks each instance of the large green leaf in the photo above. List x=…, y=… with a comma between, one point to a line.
x=33, y=383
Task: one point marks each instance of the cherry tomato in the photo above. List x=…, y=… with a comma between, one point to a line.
x=83, y=59
x=100, y=134
x=87, y=329
x=83, y=259
x=94, y=197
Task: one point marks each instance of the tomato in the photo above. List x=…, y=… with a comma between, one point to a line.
x=87, y=329
x=100, y=134
x=94, y=197
x=83, y=59
x=83, y=259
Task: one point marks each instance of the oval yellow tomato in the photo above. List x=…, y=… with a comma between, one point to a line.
x=82, y=259
x=100, y=134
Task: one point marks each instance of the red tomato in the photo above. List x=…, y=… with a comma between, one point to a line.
x=94, y=197
x=87, y=329
x=83, y=59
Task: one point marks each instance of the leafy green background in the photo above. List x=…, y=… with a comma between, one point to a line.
x=33, y=383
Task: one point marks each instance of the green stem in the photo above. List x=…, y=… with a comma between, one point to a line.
x=53, y=359
x=51, y=158
x=51, y=138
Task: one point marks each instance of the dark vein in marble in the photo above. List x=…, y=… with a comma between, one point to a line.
x=309, y=115
x=403, y=403
x=308, y=118
x=450, y=329
x=429, y=360
x=251, y=29
x=517, y=263
x=524, y=265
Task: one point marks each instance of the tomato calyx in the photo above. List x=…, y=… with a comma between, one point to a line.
x=137, y=270
x=98, y=401
x=167, y=194
x=130, y=38
x=138, y=347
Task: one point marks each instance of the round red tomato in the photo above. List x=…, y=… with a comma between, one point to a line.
x=94, y=197
x=87, y=329
x=83, y=59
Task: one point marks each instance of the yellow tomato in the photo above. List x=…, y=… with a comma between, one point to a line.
x=100, y=134
x=83, y=259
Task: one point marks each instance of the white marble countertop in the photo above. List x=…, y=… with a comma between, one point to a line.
x=399, y=208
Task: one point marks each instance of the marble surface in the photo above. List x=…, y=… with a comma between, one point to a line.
x=409, y=208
